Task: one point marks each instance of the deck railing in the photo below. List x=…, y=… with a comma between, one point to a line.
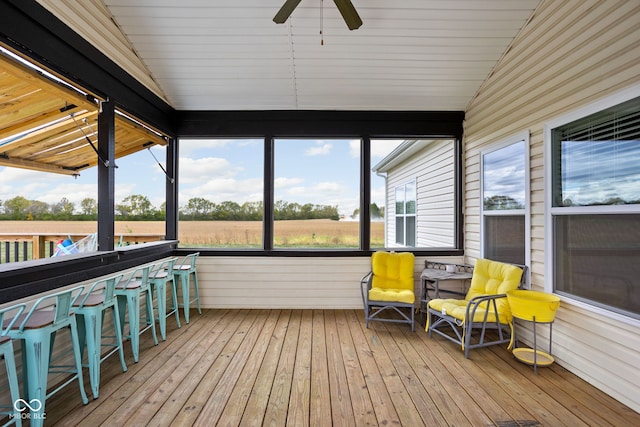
x=15, y=247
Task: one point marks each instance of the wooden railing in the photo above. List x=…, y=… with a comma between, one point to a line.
x=16, y=247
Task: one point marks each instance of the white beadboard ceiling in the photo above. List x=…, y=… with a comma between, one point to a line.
x=408, y=54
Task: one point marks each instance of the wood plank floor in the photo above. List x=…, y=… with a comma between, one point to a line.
x=321, y=368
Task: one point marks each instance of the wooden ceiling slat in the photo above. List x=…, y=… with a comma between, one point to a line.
x=140, y=130
x=38, y=127
x=24, y=73
x=46, y=138
x=43, y=119
x=26, y=109
x=37, y=166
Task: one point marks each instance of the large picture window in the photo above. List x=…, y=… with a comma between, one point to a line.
x=595, y=207
x=293, y=193
x=221, y=203
x=505, y=175
x=316, y=193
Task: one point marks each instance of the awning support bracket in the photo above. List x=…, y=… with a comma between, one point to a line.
x=148, y=145
x=86, y=122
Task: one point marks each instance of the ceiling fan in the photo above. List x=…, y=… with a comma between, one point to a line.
x=348, y=12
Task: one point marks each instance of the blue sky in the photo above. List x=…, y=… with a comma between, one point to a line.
x=307, y=171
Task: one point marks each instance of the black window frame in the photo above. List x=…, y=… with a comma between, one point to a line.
x=363, y=125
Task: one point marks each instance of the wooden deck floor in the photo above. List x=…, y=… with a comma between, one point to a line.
x=298, y=368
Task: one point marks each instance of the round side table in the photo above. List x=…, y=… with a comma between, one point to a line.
x=537, y=308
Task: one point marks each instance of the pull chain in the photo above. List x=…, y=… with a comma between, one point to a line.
x=321, y=22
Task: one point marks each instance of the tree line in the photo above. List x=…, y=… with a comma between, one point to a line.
x=139, y=207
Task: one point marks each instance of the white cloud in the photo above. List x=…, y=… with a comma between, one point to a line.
x=45, y=187
x=188, y=146
x=320, y=149
x=327, y=187
x=287, y=182
x=380, y=148
x=354, y=148
x=297, y=191
x=195, y=170
x=378, y=195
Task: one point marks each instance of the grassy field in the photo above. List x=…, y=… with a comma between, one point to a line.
x=302, y=233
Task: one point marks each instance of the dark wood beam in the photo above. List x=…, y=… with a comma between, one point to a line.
x=297, y=123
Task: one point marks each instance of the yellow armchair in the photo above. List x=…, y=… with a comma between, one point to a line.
x=485, y=307
x=390, y=286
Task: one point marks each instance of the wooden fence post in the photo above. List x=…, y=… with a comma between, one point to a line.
x=38, y=247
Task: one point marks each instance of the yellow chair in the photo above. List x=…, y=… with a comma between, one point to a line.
x=485, y=307
x=389, y=286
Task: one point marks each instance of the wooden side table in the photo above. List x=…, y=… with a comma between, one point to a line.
x=431, y=276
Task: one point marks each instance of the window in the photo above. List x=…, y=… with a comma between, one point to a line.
x=405, y=214
x=595, y=206
x=418, y=177
x=505, y=175
x=290, y=193
x=380, y=149
x=221, y=203
x=316, y=193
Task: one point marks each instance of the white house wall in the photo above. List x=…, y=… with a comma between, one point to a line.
x=571, y=54
x=287, y=282
x=433, y=171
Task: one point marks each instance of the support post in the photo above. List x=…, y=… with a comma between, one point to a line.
x=106, y=175
x=171, y=205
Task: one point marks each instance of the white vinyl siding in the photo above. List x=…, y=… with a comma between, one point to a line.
x=286, y=282
x=93, y=21
x=433, y=171
x=569, y=55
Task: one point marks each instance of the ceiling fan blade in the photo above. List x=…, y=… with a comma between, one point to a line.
x=349, y=14
x=285, y=11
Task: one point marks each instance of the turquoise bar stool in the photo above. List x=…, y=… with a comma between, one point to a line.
x=129, y=293
x=160, y=275
x=184, y=270
x=6, y=351
x=90, y=308
x=37, y=329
